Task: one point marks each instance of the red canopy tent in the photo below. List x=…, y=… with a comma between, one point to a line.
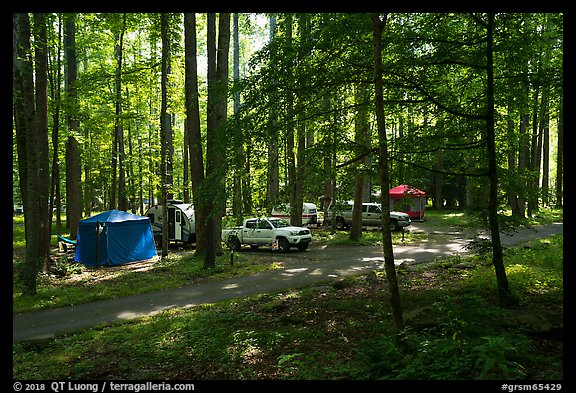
x=409, y=200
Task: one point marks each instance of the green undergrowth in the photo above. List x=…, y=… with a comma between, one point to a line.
x=455, y=330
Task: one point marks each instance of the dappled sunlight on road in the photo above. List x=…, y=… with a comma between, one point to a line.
x=289, y=272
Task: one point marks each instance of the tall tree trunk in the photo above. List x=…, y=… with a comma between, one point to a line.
x=186, y=164
x=545, y=149
x=130, y=189
x=293, y=152
x=506, y=296
x=221, y=109
x=298, y=189
x=27, y=134
x=193, y=128
x=512, y=191
x=140, y=175
x=55, y=177
x=210, y=255
x=534, y=163
x=237, y=137
x=73, y=163
x=273, y=183
x=301, y=134
x=362, y=141
x=247, y=182
x=215, y=133
x=119, y=129
x=41, y=93
x=356, y=226
x=401, y=166
x=328, y=168
x=164, y=129
x=523, y=157
x=560, y=155
x=378, y=26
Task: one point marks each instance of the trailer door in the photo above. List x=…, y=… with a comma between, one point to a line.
x=175, y=218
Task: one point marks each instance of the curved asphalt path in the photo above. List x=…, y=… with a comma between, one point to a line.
x=318, y=264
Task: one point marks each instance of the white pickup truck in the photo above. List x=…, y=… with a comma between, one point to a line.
x=271, y=231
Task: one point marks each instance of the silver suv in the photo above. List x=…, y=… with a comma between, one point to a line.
x=371, y=216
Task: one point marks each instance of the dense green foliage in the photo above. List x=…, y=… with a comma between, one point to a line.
x=435, y=102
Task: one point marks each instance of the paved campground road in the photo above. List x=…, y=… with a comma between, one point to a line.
x=319, y=263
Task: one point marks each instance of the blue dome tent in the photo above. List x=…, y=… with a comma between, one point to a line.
x=122, y=237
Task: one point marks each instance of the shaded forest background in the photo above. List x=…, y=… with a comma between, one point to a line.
x=241, y=112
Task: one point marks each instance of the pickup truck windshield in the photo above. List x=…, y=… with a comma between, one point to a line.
x=280, y=223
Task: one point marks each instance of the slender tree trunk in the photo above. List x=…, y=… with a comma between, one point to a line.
x=273, y=184
x=55, y=178
x=247, y=182
x=298, y=197
x=290, y=147
x=41, y=95
x=301, y=133
x=534, y=163
x=560, y=156
x=222, y=137
x=119, y=129
x=379, y=25
x=186, y=164
x=523, y=156
x=328, y=168
x=130, y=188
x=546, y=150
x=512, y=191
x=356, y=226
x=238, y=137
x=140, y=175
x=362, y=142
x=506, y=297
x=164, y=129
x=210, y=256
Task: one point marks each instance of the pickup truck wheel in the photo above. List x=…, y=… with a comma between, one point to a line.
x=283, y=244
x=394, y=225
x=340, y=224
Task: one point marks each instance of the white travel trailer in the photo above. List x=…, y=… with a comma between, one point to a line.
x=181, y=222
x=309, y=213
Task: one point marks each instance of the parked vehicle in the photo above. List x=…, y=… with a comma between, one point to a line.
x=181, y=222
x=309, y=213
x=371, y=216
x=272, y=231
